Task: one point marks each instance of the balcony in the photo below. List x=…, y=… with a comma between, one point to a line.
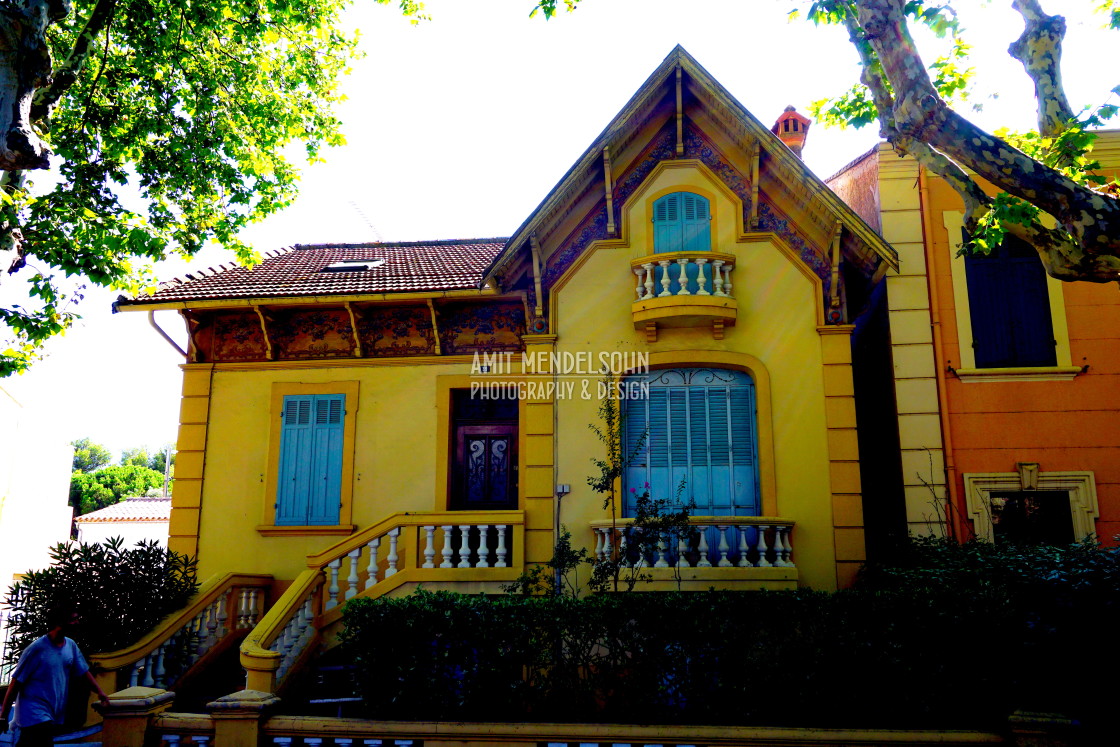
x=725, y=552
x=684, y=289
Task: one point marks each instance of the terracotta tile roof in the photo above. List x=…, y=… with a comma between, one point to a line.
x=455, y=264
x=131, y=509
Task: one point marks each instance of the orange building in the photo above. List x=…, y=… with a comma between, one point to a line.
x=1005, y=379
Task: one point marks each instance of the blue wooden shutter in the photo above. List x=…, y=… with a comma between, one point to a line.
x=682, y=222
x=695, y=223
x=635, y=425
x=658, y=473
x=296, y=445
x=309, y=485
x=744, y=450
x=701, y=428
x=700, y=485
x=326, y=467
x=667, y=227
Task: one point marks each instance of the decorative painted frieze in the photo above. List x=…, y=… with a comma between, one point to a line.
x=396, y=331
x=236, y=336
x=480, y=328
x=316, y=333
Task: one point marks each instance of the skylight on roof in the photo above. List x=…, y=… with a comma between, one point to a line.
x=353, y=265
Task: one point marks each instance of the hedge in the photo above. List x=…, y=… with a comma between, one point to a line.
x=950, y=637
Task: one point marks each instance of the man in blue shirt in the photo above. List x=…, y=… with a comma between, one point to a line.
x=41, y=682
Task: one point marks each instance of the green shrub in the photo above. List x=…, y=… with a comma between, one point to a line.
x=119, y=593
x=951, y=637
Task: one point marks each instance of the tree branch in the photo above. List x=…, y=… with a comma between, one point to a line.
x=1040, y=50
x=1090, y=217
x=976, y=202
x=99, y=18
x=1064, y=257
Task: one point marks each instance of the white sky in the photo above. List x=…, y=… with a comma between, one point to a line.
x=458, y=127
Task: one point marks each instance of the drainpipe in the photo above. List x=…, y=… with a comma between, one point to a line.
x=953, y=515
x=164, y=335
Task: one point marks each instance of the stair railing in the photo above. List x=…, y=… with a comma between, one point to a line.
x=224, y=608
x=284, y=635
x=432, y=546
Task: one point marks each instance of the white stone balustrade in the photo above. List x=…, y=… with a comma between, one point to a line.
x=740, y=542
x=441, y=546
x=232, y=609
x=661, y=278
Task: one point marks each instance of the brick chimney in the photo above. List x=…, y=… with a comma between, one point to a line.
x=792, y=128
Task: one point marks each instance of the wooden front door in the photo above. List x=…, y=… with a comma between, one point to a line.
x=485, y=471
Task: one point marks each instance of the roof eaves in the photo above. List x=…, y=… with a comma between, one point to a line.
x=778, y=149
x=590, y=155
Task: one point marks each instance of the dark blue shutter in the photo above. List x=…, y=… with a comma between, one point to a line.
x=990, y=312
x=1033, y=328
x=1009, y=307
x=309, y=486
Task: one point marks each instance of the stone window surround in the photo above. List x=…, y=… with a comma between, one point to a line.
x=1081, y=486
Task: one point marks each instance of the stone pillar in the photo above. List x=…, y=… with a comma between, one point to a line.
x=538, y=445
x=129, y=713
x=843, y=453
x=238, y=717
x=260, y=670
x=186, y=495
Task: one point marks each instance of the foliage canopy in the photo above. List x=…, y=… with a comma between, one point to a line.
x=90, y=456
x=119, y=593
x=92, y=491
x=168, y=123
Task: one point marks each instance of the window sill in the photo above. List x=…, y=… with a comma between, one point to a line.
x=340, y=530
x=1027, y=373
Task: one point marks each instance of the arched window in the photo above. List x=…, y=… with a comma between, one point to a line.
x=1010, y=307
x=682, y=223
x=699, y=426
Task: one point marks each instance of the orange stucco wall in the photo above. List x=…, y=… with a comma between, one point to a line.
x=1062, y=425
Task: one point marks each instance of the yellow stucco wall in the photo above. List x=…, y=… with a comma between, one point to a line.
x=808, y=460
x=396, y=432
x=776, y=327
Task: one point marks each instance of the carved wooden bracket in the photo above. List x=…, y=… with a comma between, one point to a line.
x=680, y=115
x=435, y=327
x=756, y=153
x=608, y=185
x=268, y=352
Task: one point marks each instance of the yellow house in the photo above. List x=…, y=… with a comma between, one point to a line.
x=360, y=419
